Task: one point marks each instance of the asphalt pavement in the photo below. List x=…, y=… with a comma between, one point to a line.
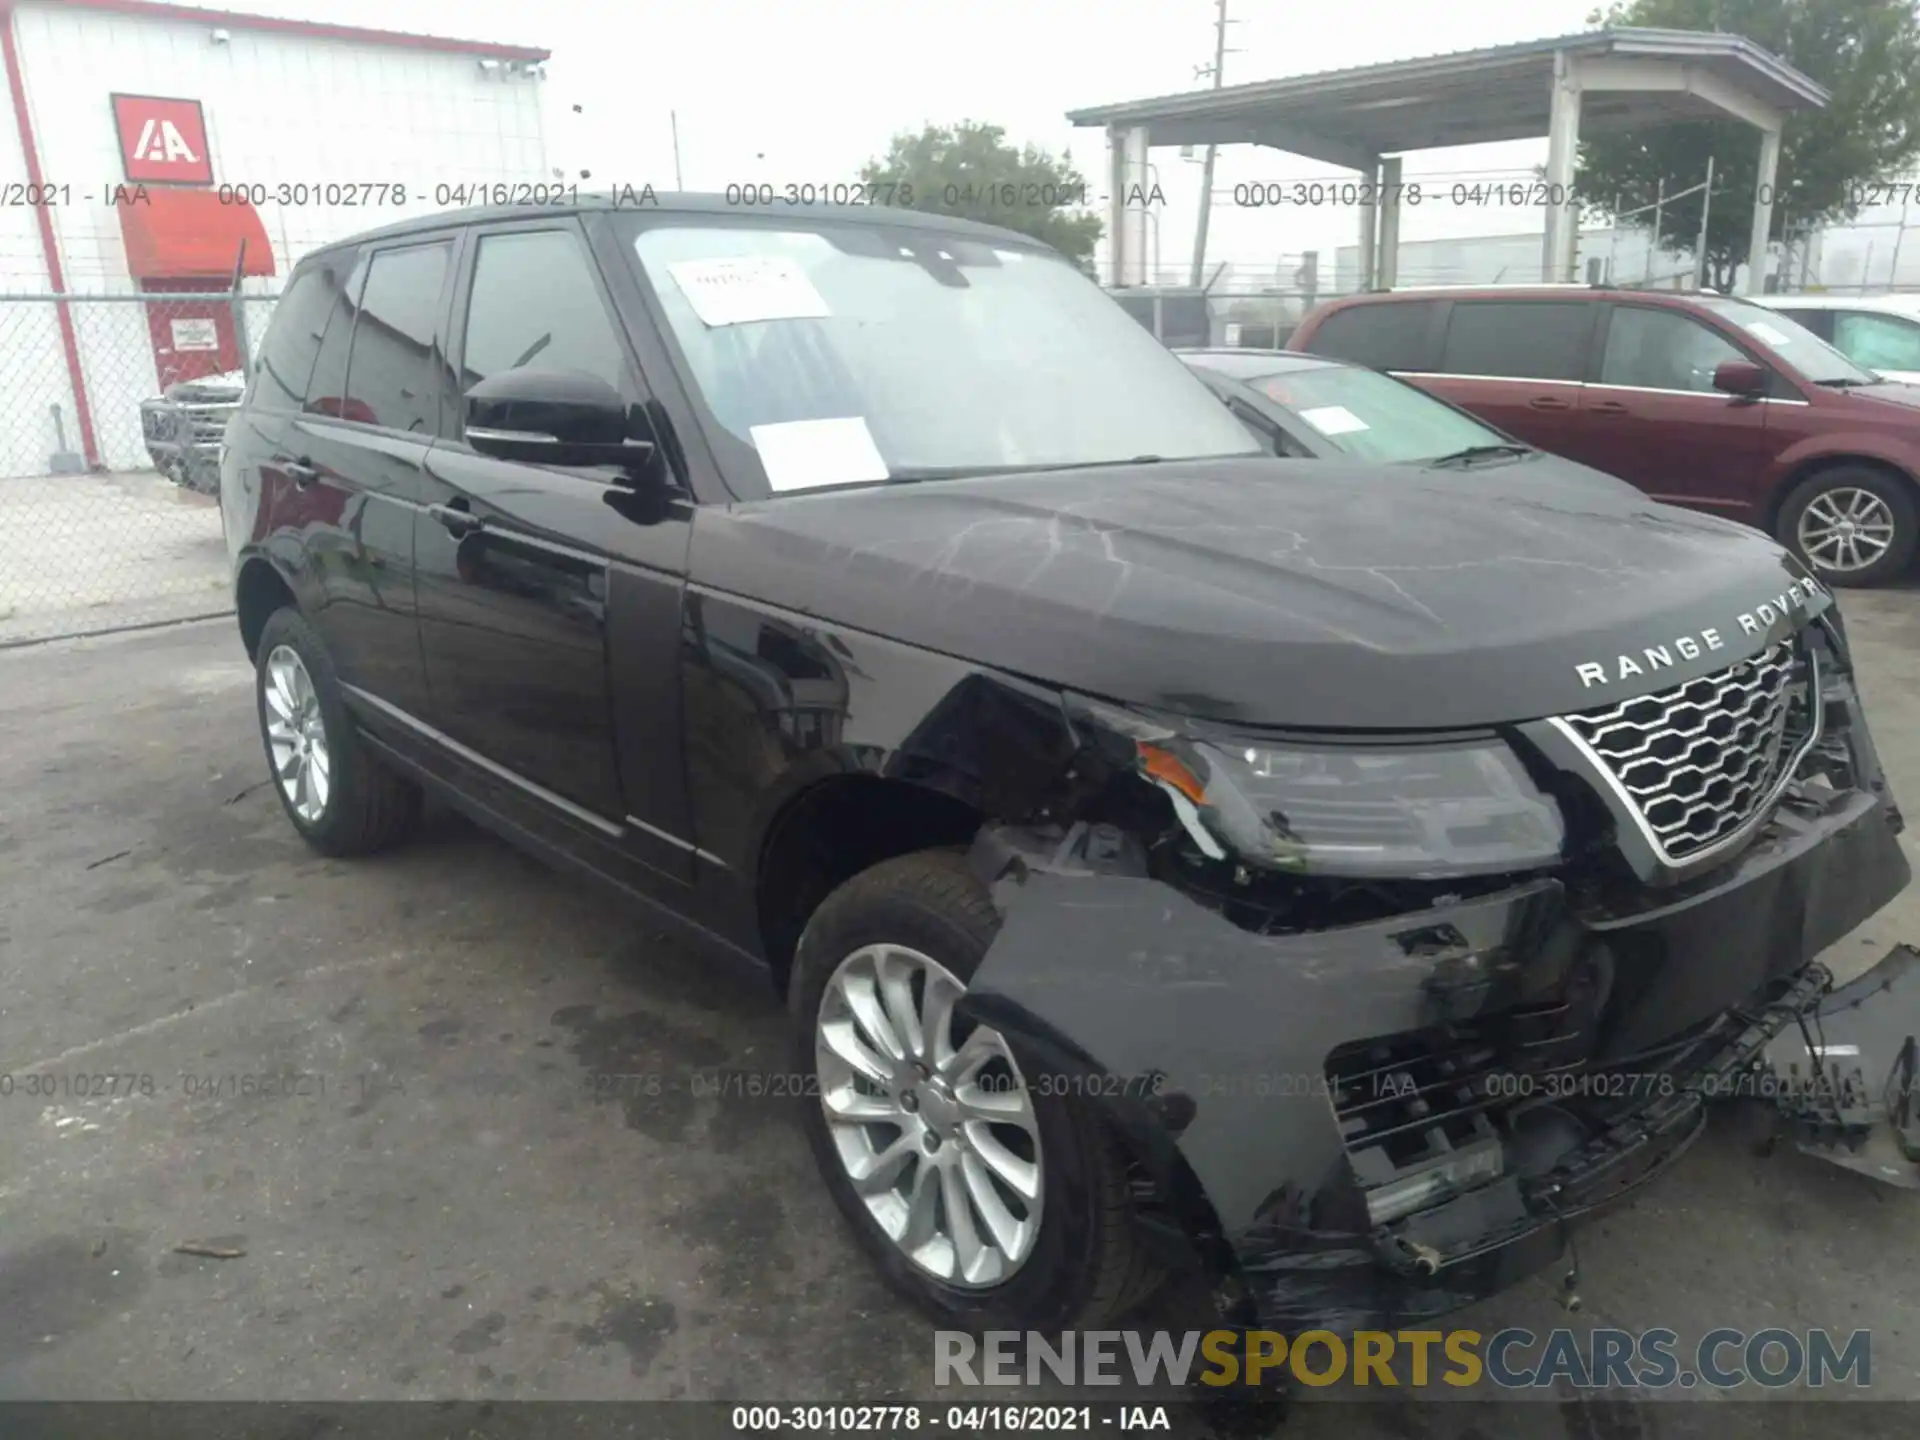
x=450, y=1183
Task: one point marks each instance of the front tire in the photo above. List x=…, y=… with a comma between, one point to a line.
x=1852, y=525
x=340, y=798
x=985, y=1196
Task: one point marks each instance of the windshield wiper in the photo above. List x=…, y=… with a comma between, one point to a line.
x=1478, y=452
x=1846, y=383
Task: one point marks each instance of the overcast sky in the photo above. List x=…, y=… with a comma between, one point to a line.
x=772, y=91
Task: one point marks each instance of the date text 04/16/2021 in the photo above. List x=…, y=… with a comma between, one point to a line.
x=964, y=1419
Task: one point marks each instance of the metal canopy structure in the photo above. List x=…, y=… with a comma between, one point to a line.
x=1364, y=119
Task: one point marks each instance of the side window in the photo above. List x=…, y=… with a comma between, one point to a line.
x=390, y=378
x=535, y=304
x=292, y=341
x=1879, y=342
x=1820, y=322
x=1663, y=350
x=1388, y=335
x=327, y=388
x=1518, y=339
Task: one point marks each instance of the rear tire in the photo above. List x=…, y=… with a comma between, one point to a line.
x=340, y=797
x=1084, y=1264
x=1852, y=525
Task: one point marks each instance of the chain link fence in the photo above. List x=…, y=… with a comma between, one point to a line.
x=111, y=412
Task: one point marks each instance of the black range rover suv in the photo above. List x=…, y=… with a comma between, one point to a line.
x=1330, y=876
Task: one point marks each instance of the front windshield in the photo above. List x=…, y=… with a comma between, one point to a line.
x=851, y=353
x=1375, y=416
x=1792, y=341
x=1880, y=342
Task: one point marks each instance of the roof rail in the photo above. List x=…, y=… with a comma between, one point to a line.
x=1487, y=285
x=1542, y=285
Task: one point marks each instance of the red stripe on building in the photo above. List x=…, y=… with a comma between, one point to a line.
x=49, y=247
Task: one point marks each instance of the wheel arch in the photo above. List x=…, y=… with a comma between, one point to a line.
x=832, y=829
x=259, y=589
x=1806, y=469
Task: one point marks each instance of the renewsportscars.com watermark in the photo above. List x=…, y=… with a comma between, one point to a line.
x=1513, y=1359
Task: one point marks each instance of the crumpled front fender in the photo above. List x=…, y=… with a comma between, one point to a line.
x=1207, y=1043
x=1213, y=1048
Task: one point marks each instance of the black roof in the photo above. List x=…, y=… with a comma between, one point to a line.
x=643, y=200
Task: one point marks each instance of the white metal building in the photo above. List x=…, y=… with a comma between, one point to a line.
x=1613, y=256
x=145, y=142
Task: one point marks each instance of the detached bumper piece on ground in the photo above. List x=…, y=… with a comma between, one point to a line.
x=1844, y=1075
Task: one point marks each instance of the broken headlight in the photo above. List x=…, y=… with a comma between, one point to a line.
x=1411, y=812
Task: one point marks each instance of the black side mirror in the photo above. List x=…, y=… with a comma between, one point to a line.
x=555, y=417
x=1740, y=377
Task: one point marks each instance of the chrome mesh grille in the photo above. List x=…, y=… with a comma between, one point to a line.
x=208, y=423
x=1699, y=761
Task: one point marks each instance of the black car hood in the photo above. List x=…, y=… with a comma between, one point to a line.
x=1309, y=593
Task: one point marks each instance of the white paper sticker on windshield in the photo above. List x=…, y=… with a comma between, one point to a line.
x=745, y=288
x=1760, y=330
x=1333, y=419
x=806, y=454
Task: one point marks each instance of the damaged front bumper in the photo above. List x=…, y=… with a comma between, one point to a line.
x=1844, y=1074
x=1362, y=1127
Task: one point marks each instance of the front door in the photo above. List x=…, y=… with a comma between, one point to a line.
x=550, y=618
x=1654, y=419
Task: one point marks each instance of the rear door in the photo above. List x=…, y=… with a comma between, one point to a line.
x=1655, y=420
x=358, y=450
x=1519, y=365
x=549, y=614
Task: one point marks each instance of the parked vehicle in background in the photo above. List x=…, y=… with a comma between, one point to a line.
x=1699, y=399
x=183, y=428
x=1308, y=406
x=1881, y=332
x=1172, y=857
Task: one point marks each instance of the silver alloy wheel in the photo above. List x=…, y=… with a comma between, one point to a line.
x=297, y=735
x=1846, y=529
x=940, y=1141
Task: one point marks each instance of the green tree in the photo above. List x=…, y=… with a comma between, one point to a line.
x=970, y=170
x=1864, y=52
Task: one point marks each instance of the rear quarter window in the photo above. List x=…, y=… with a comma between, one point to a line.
x=1386, y=335
x=292, y=342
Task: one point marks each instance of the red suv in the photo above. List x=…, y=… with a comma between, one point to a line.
x=1698, y=399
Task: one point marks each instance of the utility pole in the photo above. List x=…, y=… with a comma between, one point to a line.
x=1700, y=246
x=1220, y=53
